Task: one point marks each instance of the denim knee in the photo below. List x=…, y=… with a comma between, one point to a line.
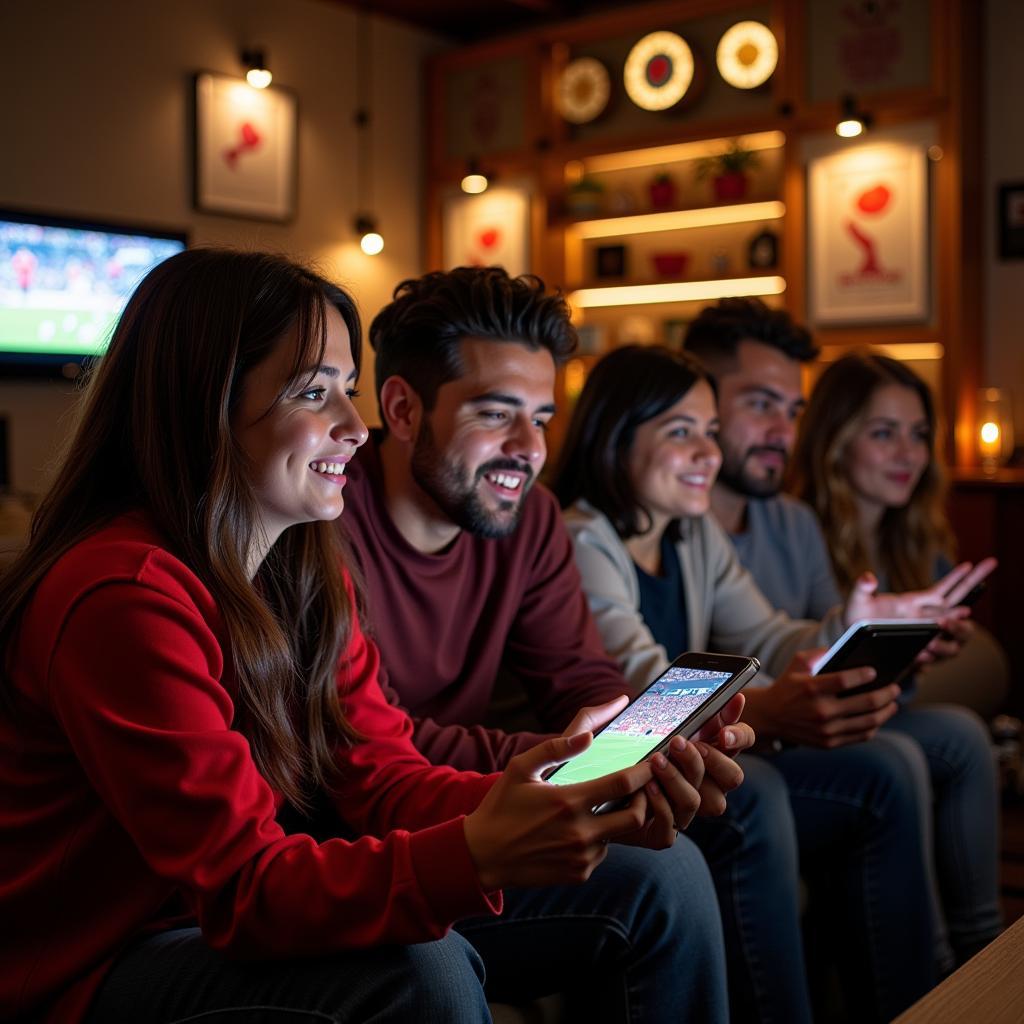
x=445, y=982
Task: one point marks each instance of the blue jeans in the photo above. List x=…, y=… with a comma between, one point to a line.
x=847, y=820
x=640, y=942
x=951, y=748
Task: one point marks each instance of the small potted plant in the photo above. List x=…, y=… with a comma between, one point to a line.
x=728, y=172
x=663, y=191
x=585, y=198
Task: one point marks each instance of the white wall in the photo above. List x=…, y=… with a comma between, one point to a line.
x=94, y=122
x=1004, y=164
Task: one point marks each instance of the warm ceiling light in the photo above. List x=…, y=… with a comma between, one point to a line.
x=658, y=71
x=475, y=181
x=584, y=88
x=370, y=240
x=747, y=54
x=852, y=122
x=257, y=73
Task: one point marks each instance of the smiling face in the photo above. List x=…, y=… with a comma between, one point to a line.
x=298, y=440
x=890, y=450
x=481, y=447
x=759, y=400
x=674, y=458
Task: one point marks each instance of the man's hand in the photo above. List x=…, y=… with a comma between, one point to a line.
x=800, y=707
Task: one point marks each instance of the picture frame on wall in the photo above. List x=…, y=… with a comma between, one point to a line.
x=245, y=148
x=868, y=235
x=489, y=229
x=1010, y=207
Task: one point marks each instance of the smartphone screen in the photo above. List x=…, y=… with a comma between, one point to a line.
x=635, y=732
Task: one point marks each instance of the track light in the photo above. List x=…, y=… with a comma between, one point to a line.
x=852, y=121
x=370, y=239
x=257, y=74
x=475, y=181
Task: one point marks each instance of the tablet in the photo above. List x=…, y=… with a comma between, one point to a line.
x=889, y=646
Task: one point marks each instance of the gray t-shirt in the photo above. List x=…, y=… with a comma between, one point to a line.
x=784, y=549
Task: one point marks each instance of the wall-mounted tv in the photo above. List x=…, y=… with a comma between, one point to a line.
x=63, y=284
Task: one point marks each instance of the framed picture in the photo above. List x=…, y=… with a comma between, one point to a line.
x=610, y=261
x=245, y=148
x=1011, y=222
x=868, y=238
x=490, y=229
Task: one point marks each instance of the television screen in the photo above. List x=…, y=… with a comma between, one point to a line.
x=64, y=282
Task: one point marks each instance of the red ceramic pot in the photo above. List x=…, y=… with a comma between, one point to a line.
x=730, y=187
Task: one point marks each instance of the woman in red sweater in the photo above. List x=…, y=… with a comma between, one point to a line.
x=185, y=674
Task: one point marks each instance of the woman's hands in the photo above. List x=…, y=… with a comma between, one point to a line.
x=528, y=832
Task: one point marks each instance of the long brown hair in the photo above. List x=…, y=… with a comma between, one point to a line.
x=154, y=433
x=910, y=537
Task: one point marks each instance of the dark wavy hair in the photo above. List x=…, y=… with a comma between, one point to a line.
x=417, y=335
x=911, y=537
x=714, y=336
x=628, y=387
x=154, y=433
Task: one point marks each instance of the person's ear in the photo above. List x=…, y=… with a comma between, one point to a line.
x=401, y=409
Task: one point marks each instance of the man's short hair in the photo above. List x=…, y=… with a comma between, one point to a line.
x=714, y=336
x=417, y=335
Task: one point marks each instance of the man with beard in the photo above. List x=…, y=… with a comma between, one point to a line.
x=755, y=354
x=469, y=572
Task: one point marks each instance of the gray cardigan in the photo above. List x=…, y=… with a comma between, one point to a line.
x=725, y=611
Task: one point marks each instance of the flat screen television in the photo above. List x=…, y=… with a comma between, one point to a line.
x=63, y=284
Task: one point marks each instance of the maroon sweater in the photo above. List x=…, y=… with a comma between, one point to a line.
x=447, y=623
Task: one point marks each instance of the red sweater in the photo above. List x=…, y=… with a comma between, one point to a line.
x=447, y=624
x=127, y=800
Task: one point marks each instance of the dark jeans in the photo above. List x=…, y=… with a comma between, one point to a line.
x=848, y=821
x=953, y=748
x=641, y=941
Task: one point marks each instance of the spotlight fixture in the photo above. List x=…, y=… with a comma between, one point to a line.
x=370, y=239
x=257, y=74
x=658, y=71
x=852, y=121
x=475, y=181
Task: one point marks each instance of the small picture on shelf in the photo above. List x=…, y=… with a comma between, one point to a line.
x=763, y=253
x=610, y=261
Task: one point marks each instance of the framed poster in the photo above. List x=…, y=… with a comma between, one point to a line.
x=1010, y=204
x=868, y=236
x=490, y=229
x=245, y=148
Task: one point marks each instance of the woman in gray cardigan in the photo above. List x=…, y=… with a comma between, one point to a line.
x=661, y=577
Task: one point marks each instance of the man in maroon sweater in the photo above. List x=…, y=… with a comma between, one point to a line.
x=468, y=566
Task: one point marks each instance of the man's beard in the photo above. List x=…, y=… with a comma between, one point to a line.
x=735, y=475
x=448, y=485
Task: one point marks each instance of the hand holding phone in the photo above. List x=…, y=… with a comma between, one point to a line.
x=691, y=691
x=889, y=646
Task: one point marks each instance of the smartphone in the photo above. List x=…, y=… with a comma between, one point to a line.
x=693, y=689
x=889, y=646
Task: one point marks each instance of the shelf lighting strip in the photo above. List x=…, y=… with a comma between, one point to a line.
x=671, y=220
x=902, y=350
x=657, y=155
x=676, y=291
